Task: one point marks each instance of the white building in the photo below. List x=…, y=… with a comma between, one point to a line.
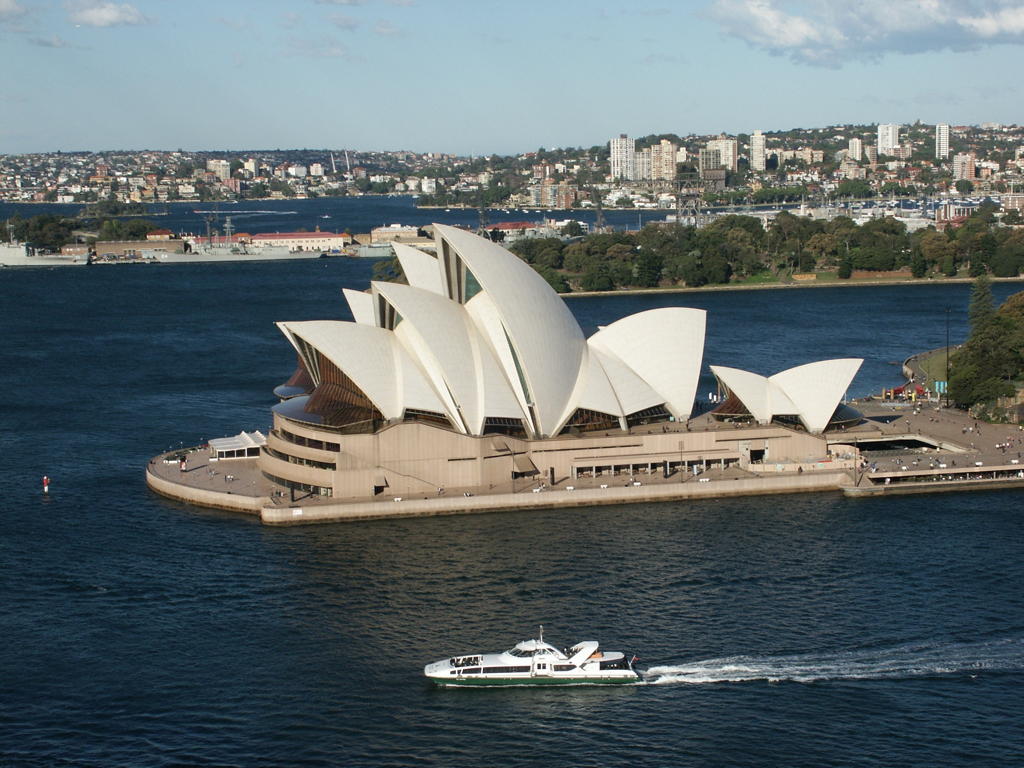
x=222, y=168
x=941, y=141
x=316, y=169
x=663, y=161
x=856, y=150
x=758, y=159
x=963, y=166
x=888, y=138
x=642, y=165
x=623, y=157
x=728, y=151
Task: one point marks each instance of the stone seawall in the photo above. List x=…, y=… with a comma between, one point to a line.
x=295, y=514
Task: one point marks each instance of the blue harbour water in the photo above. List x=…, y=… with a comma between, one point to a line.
x=352, y=214
x=807, y=630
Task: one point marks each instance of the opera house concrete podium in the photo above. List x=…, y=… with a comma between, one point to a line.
x=475, y=375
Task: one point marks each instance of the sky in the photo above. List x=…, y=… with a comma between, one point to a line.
x=476, y=77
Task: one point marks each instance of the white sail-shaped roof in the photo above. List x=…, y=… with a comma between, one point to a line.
x=818, y=388
x=361, y=305
x=544, y=339
x=478, y=335
x=441, y=336
x=663, y=347
x=382, y=369
x=810, y=392
x=420, y=269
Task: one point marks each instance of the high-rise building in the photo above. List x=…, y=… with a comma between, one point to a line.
x=941, y=141
x=222, y=168
x=963, y=166
x=642, y=165
x=758, y=160
x=728, y=150
x=623, y=157
x=888, y=138
x=708, y=159
x=856, y=150
x=871, y=153
x=663, y=161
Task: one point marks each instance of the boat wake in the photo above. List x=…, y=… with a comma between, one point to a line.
x=894, y=663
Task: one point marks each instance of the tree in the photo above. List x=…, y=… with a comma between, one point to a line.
x=845, y=267
x=572, y=229
x=964, y=187
x=918, y=265
x=596, y=278
x=981, y=310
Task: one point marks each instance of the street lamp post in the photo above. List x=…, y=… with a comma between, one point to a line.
x=946, y=393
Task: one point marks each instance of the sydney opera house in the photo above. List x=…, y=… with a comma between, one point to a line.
x=476, y=373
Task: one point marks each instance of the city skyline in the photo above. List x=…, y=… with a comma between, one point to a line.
x=482, y=78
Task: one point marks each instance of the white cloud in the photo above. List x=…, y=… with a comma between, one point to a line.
x=826, y=33
x=90, y=13
x=344, y=22
x=339, y=2
x=10, y=9
x=386, y=29
x=318, y=48
x=50, y=42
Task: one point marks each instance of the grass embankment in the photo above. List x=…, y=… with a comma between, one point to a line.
x=933, y=364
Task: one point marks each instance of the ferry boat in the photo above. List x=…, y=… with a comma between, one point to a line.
x=534, y=662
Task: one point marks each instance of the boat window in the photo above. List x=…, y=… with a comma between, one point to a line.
x=464, y=661
x=504, y=670
x=564, y=667
x=471, y=671
x=520, y=652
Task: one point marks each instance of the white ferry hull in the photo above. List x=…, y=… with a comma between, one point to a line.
x=466, y=681
x=534, y=662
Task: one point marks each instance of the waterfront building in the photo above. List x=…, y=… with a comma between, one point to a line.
x=941, y=141
x=856, y=150
x=758, y=160
x=476, y=372
x=304, y=241
x=622, y=157
x=888, y=138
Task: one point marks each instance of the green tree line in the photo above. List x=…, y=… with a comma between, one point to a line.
x=990, y=364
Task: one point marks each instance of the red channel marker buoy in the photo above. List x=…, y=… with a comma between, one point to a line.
x=46, y=484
